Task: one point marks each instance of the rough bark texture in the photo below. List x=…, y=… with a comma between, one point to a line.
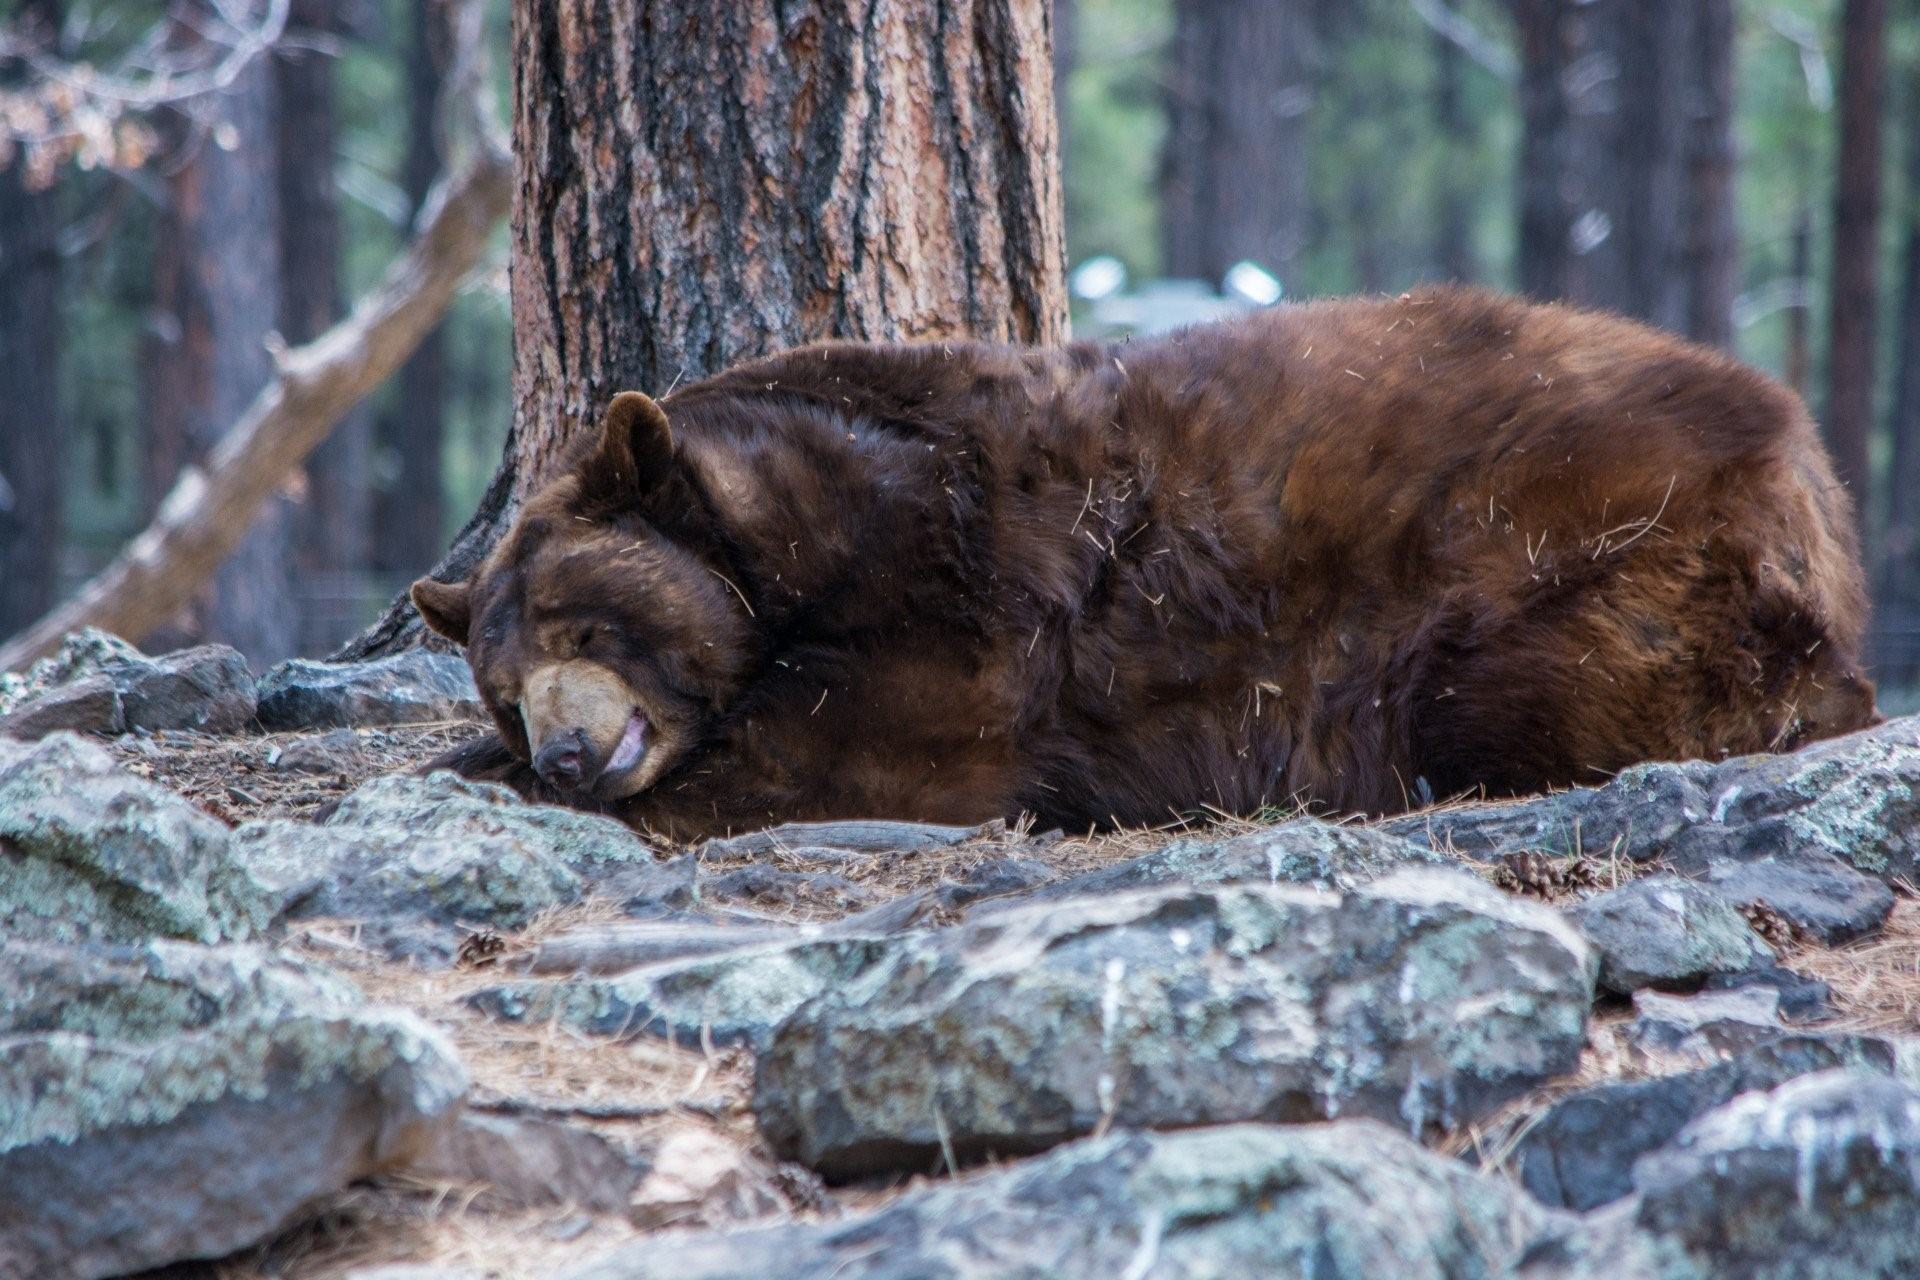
x=1713, y=238
x=1546, y=39
x=1234, y=172
x=412, y=507
x=207, y=514
x=31, y=430
x=696, y=185
x=1856, y=245
x=332, y=526
x=216, y=298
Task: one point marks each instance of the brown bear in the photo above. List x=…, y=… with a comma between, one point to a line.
x=1356, y=554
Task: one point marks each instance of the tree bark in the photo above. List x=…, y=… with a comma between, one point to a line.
x=1234, y=171
x=1713, y=236
x=1546, y=31
x=1856, y=247
x=697, y=185
x=331, y=532
x=209, y=511
x=1453, y=255
x=411, y=508
x=32, y=432
x=216, y=300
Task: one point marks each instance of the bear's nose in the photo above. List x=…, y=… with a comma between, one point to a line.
x=562, y=761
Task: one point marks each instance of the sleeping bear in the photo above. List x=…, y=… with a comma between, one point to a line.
x=1356, y=555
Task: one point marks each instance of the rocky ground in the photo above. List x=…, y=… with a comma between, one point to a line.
x=1668, y=1027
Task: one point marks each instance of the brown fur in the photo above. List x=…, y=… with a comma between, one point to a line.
x=1355, y=553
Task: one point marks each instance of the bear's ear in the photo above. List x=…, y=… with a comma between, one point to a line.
x=636, y=446
x=443, y=606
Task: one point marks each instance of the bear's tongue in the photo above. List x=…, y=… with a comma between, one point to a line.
x=632, y=743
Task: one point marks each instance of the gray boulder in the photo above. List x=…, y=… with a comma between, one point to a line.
x=1817, y=894
x=1666, y=932
x=1426, y=998
x=437, y=850
x=862, y=837
x=99, y=683
x=1347, y=1201
x=1303, y=852
x=173, y=1102
x=735, y=997
x=1855, y=798
x=90, y=852
x=1579, y=1153
x=1818, y=1179
x=414, y=687
x=1706, y=1026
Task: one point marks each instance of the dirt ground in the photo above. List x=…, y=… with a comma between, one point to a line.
x=644, y=1092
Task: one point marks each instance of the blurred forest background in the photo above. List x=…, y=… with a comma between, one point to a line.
x=1747, y=173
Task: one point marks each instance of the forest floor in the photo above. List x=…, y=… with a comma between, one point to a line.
x=646, y=1092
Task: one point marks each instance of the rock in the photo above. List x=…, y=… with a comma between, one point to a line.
x=1579, y=1153
x=736, y=997
x=699, y=1178
x=780, y=888
x=439, y=850
x=629, y=944
x=1802, y=999
x=1665, y=932
x=336, y=752
x=1347, y=1201
x=88, y=705
x=1705, y=1026
x=534, y=1162
x=1855, y=798
x=172, y=1102
x=994, y=878
x=414, y=687
x=1818, y=1179
x=1816, y=893
x=101, y=684
x=1426, y=998
x=208, y=689
x=90, y=852
x=1303, y=852
x=871, y=837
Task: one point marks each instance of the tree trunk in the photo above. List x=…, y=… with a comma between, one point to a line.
x=216, y=298
x=1900, y=568
x=412, y=504
x=1453, y=256
x=1234, y=170
x=1799, y=345
x=331, y=528
x=1713, y=238
x=1546, y=30
x=32, y=434
x=1856, y=246
x=697, y=185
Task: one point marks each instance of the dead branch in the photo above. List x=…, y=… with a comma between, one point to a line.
x=1454, y=27
x=210, y=509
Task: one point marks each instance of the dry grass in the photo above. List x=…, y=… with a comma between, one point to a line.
x=1876, y=981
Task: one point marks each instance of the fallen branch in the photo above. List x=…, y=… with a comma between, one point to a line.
x=210, y=509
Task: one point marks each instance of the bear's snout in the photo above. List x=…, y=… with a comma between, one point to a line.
x=562, y=760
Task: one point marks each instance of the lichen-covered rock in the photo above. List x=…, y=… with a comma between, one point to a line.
x=868, y=837
x=90, y=852
x=169, y=1101
x=1303, y=852
x=1346, y=1201
x=1817, y=894
x=437, y=849
x=98, y=683
x=1425, y=998
x=414, y=687
x=1818, y=1179
x=735, y=997
x=1579, y=1153
x=1855, y=798
x=1663, y=931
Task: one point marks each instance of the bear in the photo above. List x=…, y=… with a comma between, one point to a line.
x=1353, y=555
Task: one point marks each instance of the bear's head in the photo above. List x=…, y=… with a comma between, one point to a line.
x=603, y=631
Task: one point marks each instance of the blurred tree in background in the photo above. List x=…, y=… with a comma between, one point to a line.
x=1703, y=165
